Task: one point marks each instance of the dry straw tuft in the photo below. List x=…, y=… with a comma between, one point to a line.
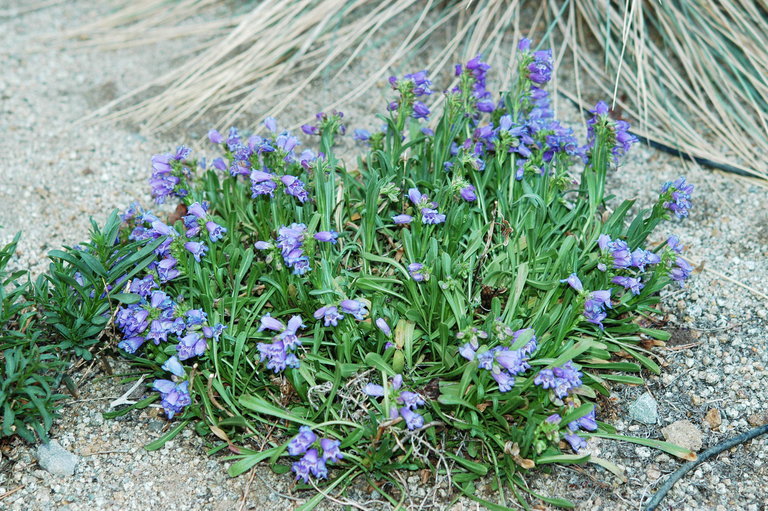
x=691, y=75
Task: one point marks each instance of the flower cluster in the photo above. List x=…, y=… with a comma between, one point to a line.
x=169, y=173
x=290, y=240
x=595, y=305
x=265, y=183
x=332, y=314
x=586, y=423
x=173, y=396
x=561, y=379
x=675, y=196
x=279, y=353
x=410, y=402
x=418, y=272
x=312, y=462
x=326, y=123
x=474, y=73
x=410, y=87
x=617, y=132
x=500, y=171
x=197, y=219
x=158, y=318
x=501, y=361
x=427, y=208
x=538, y=65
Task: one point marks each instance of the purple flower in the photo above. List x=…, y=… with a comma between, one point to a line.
x=262, y=245
x=166, y=269
x=675, y=196
x=219, y=164
x=402, y=219
x=620, y=253
x=485, y=360
x=355, y=308
x=514, y=361
x=173, y=397
x=524, y=44
x=143, y=287
x=594, y=307
x=295, y=187
x=270, y=323
x=287, y=143
x=561, y=379
x=271, y=124
x=618, y=131
x=416, y=197
x=420, y=110
x=468, y=193
x=196, y=249
x=384, y=327
x=289, y=336
x=310, y=130
x=503, y=379
x=641, y=258
x=374, y=390
x=431, y=216
x=301, y=442
x=467, y=351
x=410, y=399
x=412, y=419
x=310, y=464
x=574, y=282
x=213, y=332
x=630, y=283
x=215, y=231
x=421, y=84
x=362, y=135
x=329, y=314
x=553, y=419
x=418, y=272
x=131, y=344
x=540, y=70
x=681, y=271
x=327, y=236
x=577, y=443
x=215, y=137
x=233, y=138
x=158, y=331
x=198, y=210
x=331, y=452
x=277, y=357
x=191, y=345
x=587, y=422
x=673, y=242
x=173, y=365
x=196, y=317
x=262, y=183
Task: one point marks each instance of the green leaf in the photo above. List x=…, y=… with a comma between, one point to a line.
x=377, y=362
x=262, y=406
x=563, y=459
x=472, y=466
x=171, y=434
x=247, y=462
x=674, y=450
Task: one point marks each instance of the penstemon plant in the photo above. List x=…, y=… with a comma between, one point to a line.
x=456, y=301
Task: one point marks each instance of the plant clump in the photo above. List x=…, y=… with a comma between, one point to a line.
x=454, y=302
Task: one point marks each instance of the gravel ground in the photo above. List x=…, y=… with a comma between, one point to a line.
x=56, y=174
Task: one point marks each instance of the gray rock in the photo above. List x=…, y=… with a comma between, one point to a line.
x=56, y=460
x=644, y=409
